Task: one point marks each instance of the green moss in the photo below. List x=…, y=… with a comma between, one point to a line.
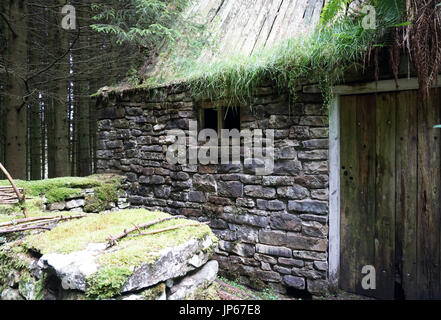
x=59, y=189
x=102, y=197
x=75, y=235
x=107, y=282
x=153, y=293
x=13, y=256
x=206, y=293
x=61, y=194
x=30, y=287
x=131, y=252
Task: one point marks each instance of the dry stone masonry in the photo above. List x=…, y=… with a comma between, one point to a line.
x=273, y=229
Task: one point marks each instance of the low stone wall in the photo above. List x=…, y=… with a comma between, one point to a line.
x=78, y=203
x=273, y=229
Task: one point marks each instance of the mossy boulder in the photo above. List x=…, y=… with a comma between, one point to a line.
x=76, y=252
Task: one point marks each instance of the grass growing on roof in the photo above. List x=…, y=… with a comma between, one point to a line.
x=320, y=57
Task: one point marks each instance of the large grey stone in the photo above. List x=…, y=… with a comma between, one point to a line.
x=76, y=203
x=272, y=237
x=276, y=205
x=308, y=206
x=200, y=279
x=73, y=268
x=318, y=287
x=259, y=192
x=294, y=282
x=205, y=183
x=285, y=221
x=171, y=263
x=57, y=206
x=294, y=192
x=299, y=242
x=274, y=251
x=230, y=189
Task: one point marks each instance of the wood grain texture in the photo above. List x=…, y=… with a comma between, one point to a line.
x=406, y=189
x=385, y=195
x=428, y=219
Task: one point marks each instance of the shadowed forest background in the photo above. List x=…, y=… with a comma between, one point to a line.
x=47, y=74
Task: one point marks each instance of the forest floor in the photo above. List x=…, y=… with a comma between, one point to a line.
x=231, y=290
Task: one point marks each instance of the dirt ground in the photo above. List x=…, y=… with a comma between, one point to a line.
x=228, y=290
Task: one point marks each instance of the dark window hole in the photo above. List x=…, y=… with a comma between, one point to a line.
x=299, y=294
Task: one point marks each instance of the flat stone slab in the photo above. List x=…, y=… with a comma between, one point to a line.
x=171, y=263
x=140, y=262
x=74, y=268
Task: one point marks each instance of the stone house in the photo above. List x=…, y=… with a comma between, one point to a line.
x=354, y=185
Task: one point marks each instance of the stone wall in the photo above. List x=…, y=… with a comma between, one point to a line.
x=273, y=229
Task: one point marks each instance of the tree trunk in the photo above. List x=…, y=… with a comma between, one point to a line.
x=15, y=108
x=58, y=143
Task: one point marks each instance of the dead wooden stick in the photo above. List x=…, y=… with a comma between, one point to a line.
x=171, y=228
x=36, y=219
x=19, y=221
x=111, y=241
x=38, y=224
x=13, y=230
x=55, y=220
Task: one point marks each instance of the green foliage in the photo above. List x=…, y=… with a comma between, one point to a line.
x=144, y=22
x=268, y=294
x=332, y=9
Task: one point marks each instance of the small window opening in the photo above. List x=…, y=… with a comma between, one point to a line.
x=232, y=119
x=210, y=119
x=217, y=119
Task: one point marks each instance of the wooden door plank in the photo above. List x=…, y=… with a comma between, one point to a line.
x=385, y=195
x=365, y=182
x=347, y=279
x=357, y=190
x=406, y=192
x=428, y=219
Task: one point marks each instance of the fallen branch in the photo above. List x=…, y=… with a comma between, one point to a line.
x=171, y=228
x=111, y=241
x=37, y=223
x=13, y=230
x=36, y=219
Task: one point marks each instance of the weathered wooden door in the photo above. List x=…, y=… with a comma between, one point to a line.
x=390, y=194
